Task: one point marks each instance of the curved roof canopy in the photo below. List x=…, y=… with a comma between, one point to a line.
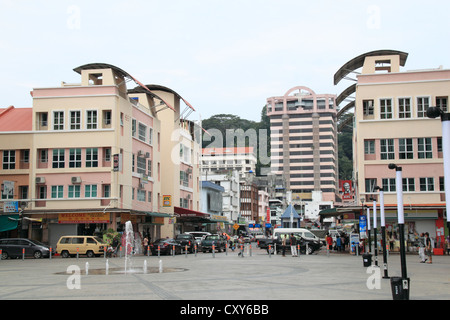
x=358, y=62
x=122, y=73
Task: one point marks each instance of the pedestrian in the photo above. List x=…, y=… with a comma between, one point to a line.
x=329, y=241
x=428, y=247
x=338, y=243
x=293, y=243
x=145, y=243
x=421, y=245
x=283, y=245
x=241, y=246
x=447, y=245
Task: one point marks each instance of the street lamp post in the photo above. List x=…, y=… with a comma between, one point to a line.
x=434, y=112
x=375, y=246
x=401, y=228
x=383, y=232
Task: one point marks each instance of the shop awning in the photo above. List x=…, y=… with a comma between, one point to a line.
x=158, y=214
x=8, y=222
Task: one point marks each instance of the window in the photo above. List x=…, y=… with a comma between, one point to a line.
x=57, y=192
x=43, y=154
x=369, y=146
x=386, y=108
x=9, y=159
x=426, y=184
x=133, y=128
x=91, y=122
x=58, y=158
x=74, y=191
x=368, y=107
x=442, y=102
x=404, y=108
x=106, y=190
x=370, y=185
x=58, y=120
x=422, y=105
x=90, y=191
x=405, y=147
x=389, y=185
x=141, y=194
x=107, y=116
x=75, y=120
x=42, y=192
x=408, y=184
x=150, y=136
x=387, y=149
x=91, y=158
x=142, y=131
x=75, y=158
x=424, y=148
x=107, y=154
x=141, y=163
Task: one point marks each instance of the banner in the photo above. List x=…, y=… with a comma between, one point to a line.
x=84, y=217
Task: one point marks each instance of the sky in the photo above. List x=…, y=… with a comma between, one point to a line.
x=221, y=56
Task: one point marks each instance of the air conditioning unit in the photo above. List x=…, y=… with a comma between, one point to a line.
x=147, y=155
x=76, y=180
x=40, y=180
x=140, y=153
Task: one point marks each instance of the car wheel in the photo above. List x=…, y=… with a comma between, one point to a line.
x=310, y=250
x=90, y=254
x=37, y=255
x=4, y=255
x=65, y=254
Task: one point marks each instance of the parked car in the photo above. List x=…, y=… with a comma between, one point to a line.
x=305, y=244
x=13, y=248
x=186, y=239
x=166, y=246
x=218, y=241
x=199, y=236
x=91, y=246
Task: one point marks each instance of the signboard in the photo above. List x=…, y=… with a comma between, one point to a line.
x=346, y=189
x=11, y=206
x=117, y=162
x=236, y=226
x=8, y=189
x=362, y=224
x=83, y=217
x=167, y=200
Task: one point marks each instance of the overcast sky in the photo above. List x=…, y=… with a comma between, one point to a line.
x=221, y=56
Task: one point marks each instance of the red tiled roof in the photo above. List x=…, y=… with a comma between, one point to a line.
x=15, y=119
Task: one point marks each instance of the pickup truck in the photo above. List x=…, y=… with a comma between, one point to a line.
x=312, y=245
x=218, y=241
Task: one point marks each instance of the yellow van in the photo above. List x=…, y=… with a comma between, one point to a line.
x=89, y=245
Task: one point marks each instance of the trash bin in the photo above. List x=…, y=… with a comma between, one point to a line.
x=400, y=288
x=367, y=259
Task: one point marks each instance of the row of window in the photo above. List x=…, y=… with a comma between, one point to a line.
x=405, y=148
x=74, y=191
x=405, y=108
x=408, y=184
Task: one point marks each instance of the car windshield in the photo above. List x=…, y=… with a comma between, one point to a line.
x=36, y=242
x=215, y=237
x=183, y=236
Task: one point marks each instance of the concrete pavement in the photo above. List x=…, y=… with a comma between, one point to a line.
x=223, y=277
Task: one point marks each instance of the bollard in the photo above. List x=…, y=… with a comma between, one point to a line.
x=87, y=268
x=120, y=252
x=185, y=251
x=1, y=254
x=226, y=248
x=23, y=254
x=107, y=267
x=195, y=249
x=270, y=250
x=173, y=250
x=104, y=252
x=148, y=251
x=213, y=250
x=307, y=251
x=250, y=249
x=298, y=250
x=77, y=252
x=159, y=250
x=50, y=254
x=242, y=250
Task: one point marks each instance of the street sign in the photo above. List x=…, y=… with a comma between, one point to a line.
x=236, y=226
x=362, y=224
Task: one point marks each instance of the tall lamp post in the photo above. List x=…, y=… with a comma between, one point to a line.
x=404, y=295
x=375, y=245
x=434, y=112
x=383, y=232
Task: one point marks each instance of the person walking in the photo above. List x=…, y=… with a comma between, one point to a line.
x=428, y=247
x=145, y=245
x=241, y=246
x=283, y=245
x=329, y=241
x=421, y=244
x=293, y=243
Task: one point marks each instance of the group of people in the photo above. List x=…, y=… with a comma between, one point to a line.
x=292, y=243
x=425, y=248
x=339, y=244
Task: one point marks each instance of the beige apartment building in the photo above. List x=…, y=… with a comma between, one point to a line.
x=94, y=155
x=391, y=126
